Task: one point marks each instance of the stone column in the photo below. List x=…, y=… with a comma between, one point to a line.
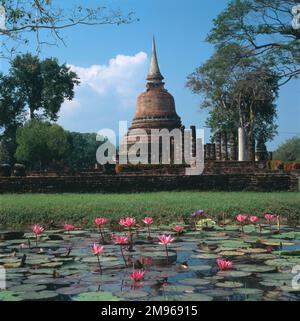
x=224, y=145
x=218, y=146
x=212, y=151
x=242, y=144
x=232, y=142
x=251, y=148
x=193, y=129
x=207, y=151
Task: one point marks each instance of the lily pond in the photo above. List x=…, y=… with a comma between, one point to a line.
x=63, y=267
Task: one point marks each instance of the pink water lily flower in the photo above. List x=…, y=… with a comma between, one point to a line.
x=253, y=219
x=148, y=220
x=120, y=240
x=178, y=228
x=241, y=218
x=165, y=239
x=127, y=222
x=269, y=217
x=137, y=275
x=100, y=221
x=97, y=249
x=224, y=264
x=69, y=227
x=37, y=229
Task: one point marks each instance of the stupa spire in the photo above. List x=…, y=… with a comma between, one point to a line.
x=154, y=75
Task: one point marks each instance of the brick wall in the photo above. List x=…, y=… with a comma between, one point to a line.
x=137, y=183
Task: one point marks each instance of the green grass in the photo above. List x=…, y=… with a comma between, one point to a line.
x=23, y=209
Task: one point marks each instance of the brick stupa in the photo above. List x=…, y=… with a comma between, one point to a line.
x=155, y=108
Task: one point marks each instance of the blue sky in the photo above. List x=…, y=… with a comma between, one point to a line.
x=113, y=62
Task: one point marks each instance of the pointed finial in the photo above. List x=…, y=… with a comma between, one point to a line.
x=154, y=74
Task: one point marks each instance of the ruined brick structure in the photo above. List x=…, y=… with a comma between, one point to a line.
x=155, y=109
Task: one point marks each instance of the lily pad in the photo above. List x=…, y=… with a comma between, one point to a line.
x=160, y=257
x=254, y=250
x=218, y=292
x=262, y=256
x=205, y=256
x=43, y=295
x=234, y=274
x=199, y=268
x=291, y=261
x=249, y=291
x=134, y=294
x=229, y=284
x=178, y=288
x=231, y=253
x=254, y=268
x=9, y=296
x=27, y=288
x=196, y=297
x=233, y=244
x=38, y=279
x=194, y=281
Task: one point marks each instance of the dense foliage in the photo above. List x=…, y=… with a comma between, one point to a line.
x=288, y=151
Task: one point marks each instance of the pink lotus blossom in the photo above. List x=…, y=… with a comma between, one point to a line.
x=224, y=264
x=269, y=217
x=253, y=219
x=69, y=227
x=241, y=218
x=148, y=220
x=97, y=249
x=37, y=229
x=165, y=239
x=100, y=221
x=137, y=275
x=178, y=228
x=120, y=240
x=127, y=222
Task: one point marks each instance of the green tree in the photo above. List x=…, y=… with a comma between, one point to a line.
x=264, y=29
x=40, y=144
x=44, y=85
x=237, y=93
x=288, y=151
x=12, y=115
x=84, y=147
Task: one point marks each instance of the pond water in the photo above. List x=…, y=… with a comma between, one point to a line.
x=62, y=266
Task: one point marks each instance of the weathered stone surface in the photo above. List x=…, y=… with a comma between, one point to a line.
x=138, y=183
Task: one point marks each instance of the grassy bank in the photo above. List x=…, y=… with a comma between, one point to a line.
x=22, y=209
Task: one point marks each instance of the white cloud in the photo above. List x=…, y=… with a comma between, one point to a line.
x=70, y=105
x=106, y=94
x=118, y=76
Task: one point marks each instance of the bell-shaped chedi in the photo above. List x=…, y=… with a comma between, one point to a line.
x=155, y=108
x=155, y=111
